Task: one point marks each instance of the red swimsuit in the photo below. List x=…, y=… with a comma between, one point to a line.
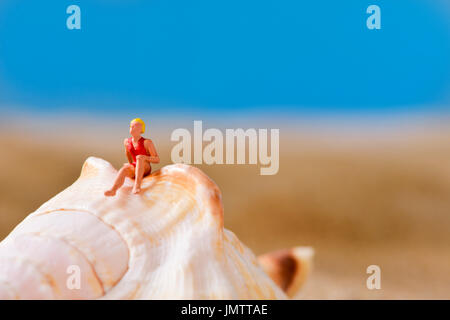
x=139, y=150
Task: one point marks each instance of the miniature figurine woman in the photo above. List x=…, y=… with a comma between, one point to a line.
x=140, y=153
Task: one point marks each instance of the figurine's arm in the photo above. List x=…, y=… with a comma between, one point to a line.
x=128, y=154
x=152, y=151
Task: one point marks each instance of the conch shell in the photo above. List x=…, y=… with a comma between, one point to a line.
x=168, y=242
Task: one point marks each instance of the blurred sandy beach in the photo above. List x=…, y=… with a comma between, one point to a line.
x=357, y=199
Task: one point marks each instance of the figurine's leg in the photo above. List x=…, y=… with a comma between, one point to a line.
x=126, y=171
x=142, y=167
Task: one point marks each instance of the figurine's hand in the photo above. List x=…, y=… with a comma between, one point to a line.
x=141, y=156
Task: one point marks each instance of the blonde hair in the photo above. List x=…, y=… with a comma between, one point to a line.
x=140, y=121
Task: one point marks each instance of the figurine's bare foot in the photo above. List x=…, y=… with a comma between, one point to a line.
x=136, y=189
x=110, y=192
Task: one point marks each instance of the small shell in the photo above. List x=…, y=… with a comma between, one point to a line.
x=168, y=242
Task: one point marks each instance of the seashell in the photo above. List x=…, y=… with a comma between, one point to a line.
x=167, y=242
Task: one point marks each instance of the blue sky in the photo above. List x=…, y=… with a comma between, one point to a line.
x=290, y=56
